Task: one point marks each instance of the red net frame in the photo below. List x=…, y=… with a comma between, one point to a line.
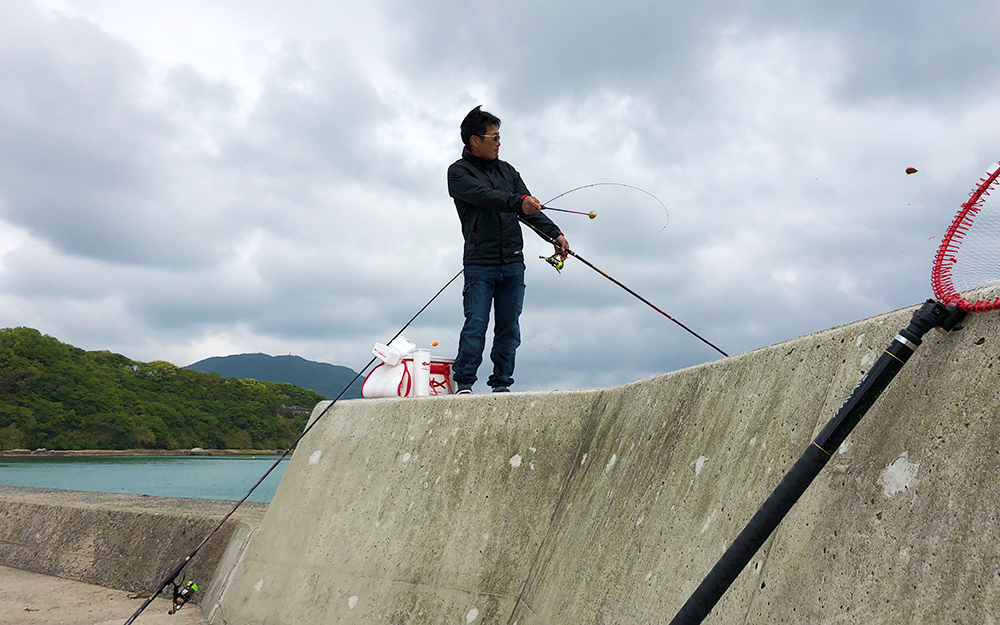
x=941, y=277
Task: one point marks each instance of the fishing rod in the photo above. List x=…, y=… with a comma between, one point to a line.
x=190, y=587
x=552, y=261
x=977, y=268
x=591, y=214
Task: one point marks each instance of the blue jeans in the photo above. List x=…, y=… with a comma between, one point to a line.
x=503, y=287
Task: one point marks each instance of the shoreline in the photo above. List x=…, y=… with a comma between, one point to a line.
x=137, y=452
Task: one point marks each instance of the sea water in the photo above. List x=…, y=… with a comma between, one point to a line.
x=200, y=477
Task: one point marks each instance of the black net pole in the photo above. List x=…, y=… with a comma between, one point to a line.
x=811, y=462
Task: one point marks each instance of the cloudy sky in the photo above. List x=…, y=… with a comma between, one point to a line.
x=201, y=178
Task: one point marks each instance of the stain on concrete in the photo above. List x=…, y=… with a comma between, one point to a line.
x=708, y=522
x=898, y=476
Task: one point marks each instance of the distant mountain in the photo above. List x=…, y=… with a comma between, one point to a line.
x=326, y=379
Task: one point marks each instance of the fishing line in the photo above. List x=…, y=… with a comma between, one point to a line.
x=172, y=577
x=616, y=184
x=968, y=258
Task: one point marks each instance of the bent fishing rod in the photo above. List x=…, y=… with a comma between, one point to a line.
x=592, y=215
x=172, y=576
x=628, y=290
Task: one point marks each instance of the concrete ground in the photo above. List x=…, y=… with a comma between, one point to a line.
x=31, y=599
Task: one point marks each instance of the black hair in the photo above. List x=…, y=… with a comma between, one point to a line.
x=476, y=123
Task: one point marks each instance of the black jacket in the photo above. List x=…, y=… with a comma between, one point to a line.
x=488, y=198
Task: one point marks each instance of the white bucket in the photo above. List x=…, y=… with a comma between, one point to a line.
x=421, y=372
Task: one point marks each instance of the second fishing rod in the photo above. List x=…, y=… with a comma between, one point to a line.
x=171, y=578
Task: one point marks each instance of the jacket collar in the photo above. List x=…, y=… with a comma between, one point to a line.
x=479, y=162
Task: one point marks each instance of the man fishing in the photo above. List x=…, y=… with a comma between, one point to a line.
x=490, y=197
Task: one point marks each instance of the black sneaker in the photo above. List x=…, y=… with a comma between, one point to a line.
x=464, y=389
x=501, y=389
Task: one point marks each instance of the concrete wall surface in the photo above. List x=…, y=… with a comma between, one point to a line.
x=610, y=506
x=129, y=542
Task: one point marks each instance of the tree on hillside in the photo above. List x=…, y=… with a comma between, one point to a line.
x=57, y=396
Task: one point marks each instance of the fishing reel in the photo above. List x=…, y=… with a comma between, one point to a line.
x=555, y=261
x=183, y=595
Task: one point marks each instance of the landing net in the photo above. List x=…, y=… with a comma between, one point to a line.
x=969, y=255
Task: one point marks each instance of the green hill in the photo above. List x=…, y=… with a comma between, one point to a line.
x=57, y=396
x=326, y=379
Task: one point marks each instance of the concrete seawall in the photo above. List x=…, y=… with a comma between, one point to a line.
x=601, y=506
x=128, y=542
x=609, y=506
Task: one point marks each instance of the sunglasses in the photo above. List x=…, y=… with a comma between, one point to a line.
x=496, y=137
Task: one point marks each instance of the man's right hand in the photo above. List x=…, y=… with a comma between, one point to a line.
x=531, y=206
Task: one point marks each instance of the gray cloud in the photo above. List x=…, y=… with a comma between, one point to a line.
x=78, y=149
x=923, y=53
x=169, y=203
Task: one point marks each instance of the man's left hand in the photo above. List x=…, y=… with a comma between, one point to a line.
x=562, y=246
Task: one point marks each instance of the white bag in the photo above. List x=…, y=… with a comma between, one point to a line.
x=387, y=380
